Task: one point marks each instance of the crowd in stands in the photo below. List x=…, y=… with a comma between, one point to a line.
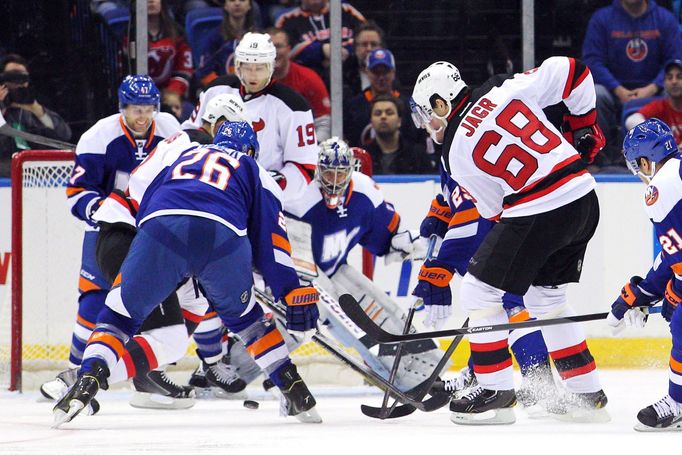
x=632, y=47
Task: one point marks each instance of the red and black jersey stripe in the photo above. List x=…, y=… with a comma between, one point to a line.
x=577, y=73
x=573, y=361
x=139, y=356
x=490, y=357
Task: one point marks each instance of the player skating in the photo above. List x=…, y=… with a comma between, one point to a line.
x=520, y=170
x=650, y=152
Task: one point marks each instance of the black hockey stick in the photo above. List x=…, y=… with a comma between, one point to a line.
x=436, y=401
x=358, y=316
x=359, y=367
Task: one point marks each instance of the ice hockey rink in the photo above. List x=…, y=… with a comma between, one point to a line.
x=226, y=427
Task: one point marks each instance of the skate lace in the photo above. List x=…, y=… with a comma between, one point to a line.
x=168, y=380
x=475, y=392
x=225, y=373
x=666, y=407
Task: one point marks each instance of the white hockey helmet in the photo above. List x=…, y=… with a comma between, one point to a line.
x=440, y=79
x=255, y=48
x=227, y=106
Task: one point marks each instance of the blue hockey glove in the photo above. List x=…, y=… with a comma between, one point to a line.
x=302, y=313
x=628, y=309
x=437, y=220
x=434, y=289
x=671, y=299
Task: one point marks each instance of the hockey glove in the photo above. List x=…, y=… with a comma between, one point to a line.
x=279, y=178
x=92, y=207
x=583, y=133
x=671, y=298
x=437, y=220
x=629, y=309
x=434, y=289
x=406, y=245
x=302, y=313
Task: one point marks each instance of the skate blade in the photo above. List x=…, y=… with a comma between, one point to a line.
x=579, y=415
x=504, y=416
x=61, y=417
x=309, y=416
x=536, y=411
x=647, y=429
x=146, y=400
x=223, y=395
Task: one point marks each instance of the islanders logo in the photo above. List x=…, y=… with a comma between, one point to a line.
x=651, y=195
x=637, y=50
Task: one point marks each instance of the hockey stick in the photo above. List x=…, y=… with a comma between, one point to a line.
x=350, y=361
x=358, y=316
x=385, y=412
x=419, y=392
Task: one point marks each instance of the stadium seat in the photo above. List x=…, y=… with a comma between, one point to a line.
x=199, y=25
x=633, y=106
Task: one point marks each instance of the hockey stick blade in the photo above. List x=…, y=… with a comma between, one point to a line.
x=358, y=316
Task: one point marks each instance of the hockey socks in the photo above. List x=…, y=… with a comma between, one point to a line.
x=89, y=305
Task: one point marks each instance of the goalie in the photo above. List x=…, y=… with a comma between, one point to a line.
x=338, y=210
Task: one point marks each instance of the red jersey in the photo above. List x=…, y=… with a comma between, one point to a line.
x=662, y=109
x=309, y=85
x=170, y=64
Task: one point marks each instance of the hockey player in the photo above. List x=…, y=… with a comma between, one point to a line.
x=208, y=215
x=650, y=152
x=520, y=170
x=281, y=117
x=454, y=219
x=163, y=338
x=105, y=156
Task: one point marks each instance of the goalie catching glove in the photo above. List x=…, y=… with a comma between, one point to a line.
x=302, y=313
x=629, y=309
x=434, y=289
x=583, y=133
x=406, y=245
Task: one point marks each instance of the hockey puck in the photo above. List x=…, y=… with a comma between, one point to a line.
x=250, y=404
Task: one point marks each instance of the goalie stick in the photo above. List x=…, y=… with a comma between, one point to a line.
x=358, y=316
x=359, y=367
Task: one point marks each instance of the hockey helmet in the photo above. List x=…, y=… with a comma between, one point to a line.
x=238, y=136
x=440, y=79
x=651, y=139
x=255, y=48
x=224, y=106
x=139, y=90
x=335, y=164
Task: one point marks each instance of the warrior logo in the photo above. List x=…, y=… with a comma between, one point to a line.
x=637, y=50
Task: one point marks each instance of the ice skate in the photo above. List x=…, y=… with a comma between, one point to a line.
x=155, y=390
x=81, y=393
x=455, y=386
x=298, y=400
x=537, y=386
x=664, y=415
x=484, y=407
x=579, y=407
x=221, y=378
x=55, y=389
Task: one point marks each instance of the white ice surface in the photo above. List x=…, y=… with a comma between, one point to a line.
x=226, y=427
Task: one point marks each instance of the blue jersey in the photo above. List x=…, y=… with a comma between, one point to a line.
x=232, y=189
x=105, y=156
x=362, y=218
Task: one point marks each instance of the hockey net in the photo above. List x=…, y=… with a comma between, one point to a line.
x=36, y=320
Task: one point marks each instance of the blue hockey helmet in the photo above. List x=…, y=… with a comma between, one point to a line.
x=238, y=136
x=140, y=90
x=335, y=165
x=651, y=139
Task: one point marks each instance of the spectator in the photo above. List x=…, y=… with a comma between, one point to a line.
x=304, y=81
x=381, y=71
x=218, y=59
x=22, y=111
x=308, y=28
x=169, y=58
x=668, y=109
x=626, y=46
x=367, y=37
x=391, y=152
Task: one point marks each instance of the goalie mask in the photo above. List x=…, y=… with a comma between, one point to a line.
x=335, y=164
x=651, y=139
x=441, y=80
x=225, y=106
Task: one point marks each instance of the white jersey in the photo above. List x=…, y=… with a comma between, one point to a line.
x=281, y=118
x=119, y=209
x=503, y=150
